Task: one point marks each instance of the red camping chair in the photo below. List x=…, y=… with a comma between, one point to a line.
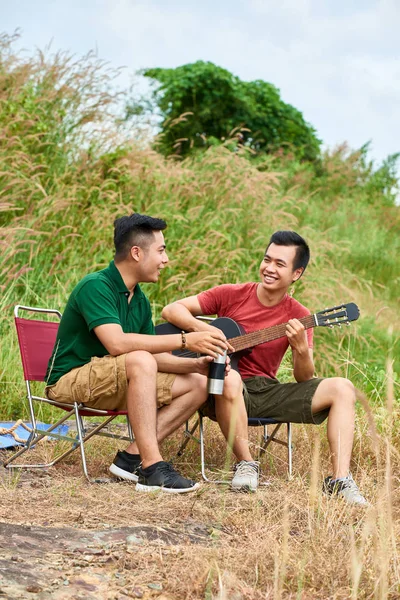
x=36, y=340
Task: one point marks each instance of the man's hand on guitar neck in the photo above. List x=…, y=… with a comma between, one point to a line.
x=297, y=336
x=303, y=365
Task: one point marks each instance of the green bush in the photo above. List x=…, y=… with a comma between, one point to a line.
x=202, y=104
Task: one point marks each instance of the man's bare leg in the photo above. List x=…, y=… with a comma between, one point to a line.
x=141, y=372
x=338, y=394
x=189, y=392
x=232, y=416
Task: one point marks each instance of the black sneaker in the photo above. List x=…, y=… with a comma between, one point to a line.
x=162, y=476
x=125, y=466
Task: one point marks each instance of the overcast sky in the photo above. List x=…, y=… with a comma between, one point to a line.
x=337, y=61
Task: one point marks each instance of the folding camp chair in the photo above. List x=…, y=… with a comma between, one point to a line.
x=267, y=438
x=36, y=340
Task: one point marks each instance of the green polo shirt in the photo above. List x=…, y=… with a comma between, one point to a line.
x=99, y=298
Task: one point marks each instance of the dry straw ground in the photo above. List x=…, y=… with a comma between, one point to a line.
x=285, y=541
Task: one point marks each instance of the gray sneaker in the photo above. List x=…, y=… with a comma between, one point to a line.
x=246, y=476
x=345, y=488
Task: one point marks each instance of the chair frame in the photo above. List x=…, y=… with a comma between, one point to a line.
x=75, y=410
x=266, y=440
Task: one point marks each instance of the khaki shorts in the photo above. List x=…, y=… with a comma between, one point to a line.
x=284, y=402
x=102, y=383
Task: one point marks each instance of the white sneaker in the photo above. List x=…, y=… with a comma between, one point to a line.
x=246, y=476
x=345, y=488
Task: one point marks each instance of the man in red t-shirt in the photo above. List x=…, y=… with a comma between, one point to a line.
x=256, y=392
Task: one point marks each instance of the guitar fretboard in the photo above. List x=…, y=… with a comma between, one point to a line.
x=248, y=340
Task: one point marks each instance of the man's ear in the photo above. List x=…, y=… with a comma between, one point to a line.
x=135, y=252
x=297, y=274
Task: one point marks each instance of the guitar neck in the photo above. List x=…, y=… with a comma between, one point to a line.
x=248, y=340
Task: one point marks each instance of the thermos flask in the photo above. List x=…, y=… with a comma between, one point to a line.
x=216, y=374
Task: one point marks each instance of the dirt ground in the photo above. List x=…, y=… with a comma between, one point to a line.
x=64, y=538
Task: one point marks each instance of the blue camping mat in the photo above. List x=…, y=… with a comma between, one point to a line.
x=8, y=441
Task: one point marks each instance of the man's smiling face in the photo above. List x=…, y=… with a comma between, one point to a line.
x=276, y=268
x=153, y=258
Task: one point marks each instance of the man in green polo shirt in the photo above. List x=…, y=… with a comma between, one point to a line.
x=107, y=356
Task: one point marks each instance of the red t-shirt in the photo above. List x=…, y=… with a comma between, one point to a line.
x=240, y=303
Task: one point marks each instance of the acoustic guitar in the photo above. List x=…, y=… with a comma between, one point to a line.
x=242, y=341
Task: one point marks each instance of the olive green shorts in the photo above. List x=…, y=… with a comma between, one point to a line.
x=284, y=402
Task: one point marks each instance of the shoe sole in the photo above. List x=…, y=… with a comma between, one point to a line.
x=341, y=498
x=244, y=488
x=121, y=474
x=140, y=487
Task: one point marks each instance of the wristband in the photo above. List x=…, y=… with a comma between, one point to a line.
x=184, y=345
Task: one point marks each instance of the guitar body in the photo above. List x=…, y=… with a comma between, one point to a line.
x=230, y=328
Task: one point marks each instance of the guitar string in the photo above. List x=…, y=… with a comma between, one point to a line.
x=260, y=336
x=273, y=333
x=257, y=337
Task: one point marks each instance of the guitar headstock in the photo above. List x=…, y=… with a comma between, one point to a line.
x=338, y=315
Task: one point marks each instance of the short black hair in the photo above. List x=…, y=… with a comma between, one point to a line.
x=291, y=238
x=134, y=230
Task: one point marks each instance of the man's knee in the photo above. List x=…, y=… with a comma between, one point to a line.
x=233, y=387
x=339, y=389
x=193, y=383
x=140, y=362
x=196, y=381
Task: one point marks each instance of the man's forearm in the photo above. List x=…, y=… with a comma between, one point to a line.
x=303, y=366
x=130, y=342
x=168, y=363
x=180, y=316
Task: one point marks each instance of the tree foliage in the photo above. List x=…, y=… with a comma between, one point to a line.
x=202, y=104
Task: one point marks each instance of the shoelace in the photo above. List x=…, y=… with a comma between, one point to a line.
x=347, y=483
x=247, y=468
x=166, y=467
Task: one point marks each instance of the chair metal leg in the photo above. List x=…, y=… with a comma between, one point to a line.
x=202, y=456
x=32, y=437
x=85, y=438
x=267, y=439
x=188, y=434
x=81, y=432
x=130, y=432
x=289, y=445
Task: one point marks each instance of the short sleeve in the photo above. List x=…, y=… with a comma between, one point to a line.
x=97, y=304
x=147, y=327
x=211, y=301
